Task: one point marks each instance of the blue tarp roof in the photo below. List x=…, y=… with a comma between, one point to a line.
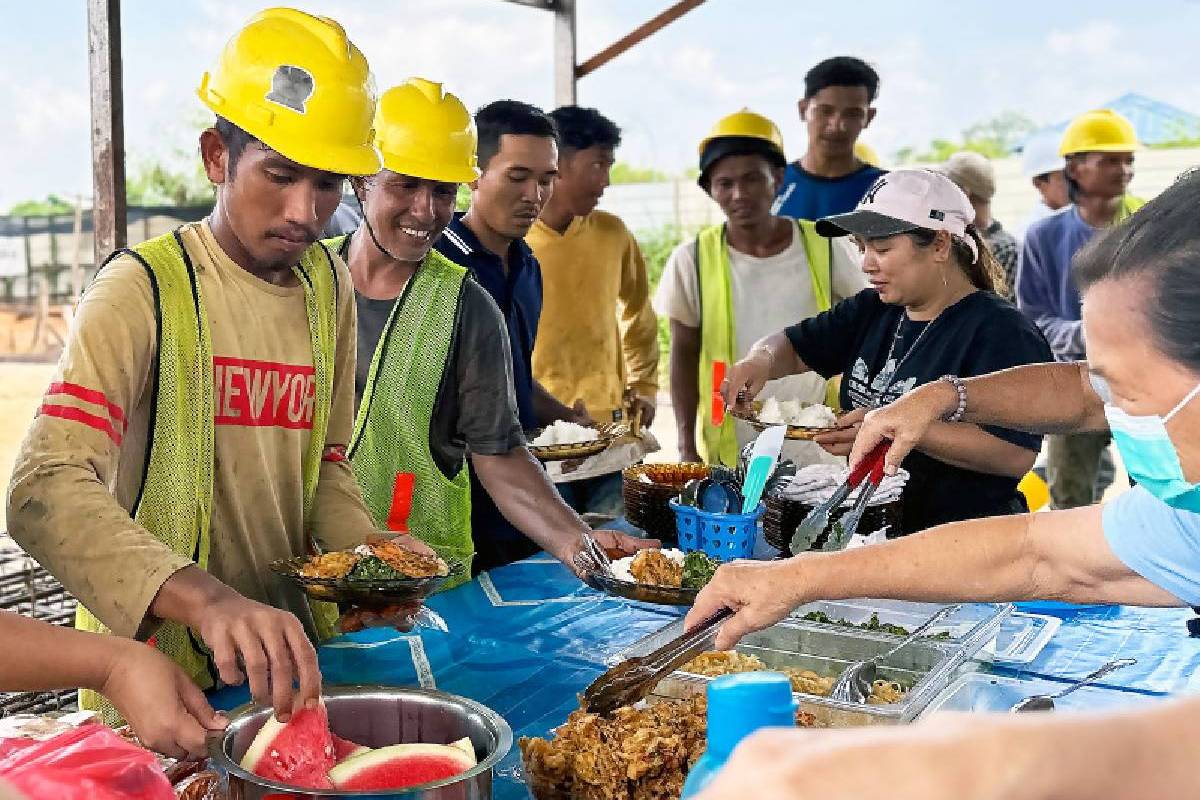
x=1156, y=122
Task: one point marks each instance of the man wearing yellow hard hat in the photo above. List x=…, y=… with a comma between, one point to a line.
x=196, y=428
x=1099, y=149
x=434, y=377
x=750, y=276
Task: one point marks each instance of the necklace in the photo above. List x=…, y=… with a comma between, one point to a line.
x=891, y=350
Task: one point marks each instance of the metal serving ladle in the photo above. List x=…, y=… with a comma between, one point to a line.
x=1045, y=702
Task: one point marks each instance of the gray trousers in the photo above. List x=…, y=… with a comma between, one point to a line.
x=1079, y=468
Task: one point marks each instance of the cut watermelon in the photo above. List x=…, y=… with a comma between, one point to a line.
x=344, y=748
x=404, y=765
x=298, y=753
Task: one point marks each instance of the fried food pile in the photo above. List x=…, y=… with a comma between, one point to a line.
x=639, y=754
x=381, y=560
x=728, y=662
x=653, y=568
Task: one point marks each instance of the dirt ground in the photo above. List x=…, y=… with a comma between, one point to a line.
x=21, y=389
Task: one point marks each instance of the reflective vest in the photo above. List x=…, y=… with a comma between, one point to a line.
x=401, y=483
x=174, y=502
x=718, y=335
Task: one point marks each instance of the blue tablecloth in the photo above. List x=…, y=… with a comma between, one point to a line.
x=527, y=638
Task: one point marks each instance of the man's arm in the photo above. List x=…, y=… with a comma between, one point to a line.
x=1036, y=297
x=685, y=386
x=548, y=409
x=1038, y=398
x=639, y=328
x=1060, y=555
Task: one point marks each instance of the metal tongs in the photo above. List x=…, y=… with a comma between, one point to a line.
x=817, y=520
x=634, y=678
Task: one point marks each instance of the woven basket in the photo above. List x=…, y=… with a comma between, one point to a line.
x=646, y=503
x=784, y=516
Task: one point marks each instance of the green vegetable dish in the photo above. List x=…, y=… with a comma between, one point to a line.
x=698, y=570
x=373, y=568
x=872, y=624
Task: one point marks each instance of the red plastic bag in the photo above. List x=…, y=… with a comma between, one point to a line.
x=90, y=762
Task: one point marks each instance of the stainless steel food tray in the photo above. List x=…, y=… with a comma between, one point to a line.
x=925, y=667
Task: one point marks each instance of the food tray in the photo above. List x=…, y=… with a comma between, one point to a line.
x=641, y=592
x=979, y=691
x=794, y=432
x=1020, y=639
x=926, y=667
x=364, y=593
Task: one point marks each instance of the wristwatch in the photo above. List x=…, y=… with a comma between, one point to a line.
x=958, y=413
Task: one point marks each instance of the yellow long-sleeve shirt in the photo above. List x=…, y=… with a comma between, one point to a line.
x=598, y=334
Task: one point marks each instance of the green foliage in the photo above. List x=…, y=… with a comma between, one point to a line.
x=463, y=201
x=52, y=205
x=994, y=138
x=657, y=246
x=168, y=182
x=623, y=172
x=1182, y=135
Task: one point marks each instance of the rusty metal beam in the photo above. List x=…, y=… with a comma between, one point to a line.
x=640, y=34
x=564, y=53
x=548, y=5
x=108, y=126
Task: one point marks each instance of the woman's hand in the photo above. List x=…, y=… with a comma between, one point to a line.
x=904, y=422
x=746, y=378
x=839, y=442
x=759, y=592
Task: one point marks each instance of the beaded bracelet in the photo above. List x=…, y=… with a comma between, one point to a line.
x=961, y=388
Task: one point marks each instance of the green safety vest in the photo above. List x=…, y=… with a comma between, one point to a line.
x=718, y=444
x=391, y=430
x=175, y=500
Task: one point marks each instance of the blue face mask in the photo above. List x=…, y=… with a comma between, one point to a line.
x=1150, y=456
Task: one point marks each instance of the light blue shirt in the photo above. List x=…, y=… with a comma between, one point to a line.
x=1158, y=542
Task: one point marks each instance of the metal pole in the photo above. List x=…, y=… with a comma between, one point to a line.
x=640, y=34
x=108, y=128
x=564, y=53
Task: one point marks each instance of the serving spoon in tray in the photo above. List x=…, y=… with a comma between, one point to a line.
x=634, y=678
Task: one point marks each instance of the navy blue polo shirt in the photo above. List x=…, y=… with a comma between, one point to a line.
x=517, y=290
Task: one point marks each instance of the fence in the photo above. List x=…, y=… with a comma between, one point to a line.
x=683, y=204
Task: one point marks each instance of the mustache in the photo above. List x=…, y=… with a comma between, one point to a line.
x=295, y=233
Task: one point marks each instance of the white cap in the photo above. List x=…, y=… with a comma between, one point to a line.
x=902, y=201
x=971, y=172
x=1040, y=154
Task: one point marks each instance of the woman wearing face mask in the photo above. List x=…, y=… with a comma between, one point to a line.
x=1140, y=284
x=932, y=311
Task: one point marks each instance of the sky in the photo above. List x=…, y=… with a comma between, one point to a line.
x=944, y=66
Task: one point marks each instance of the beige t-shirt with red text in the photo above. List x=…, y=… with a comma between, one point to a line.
x=81, y=463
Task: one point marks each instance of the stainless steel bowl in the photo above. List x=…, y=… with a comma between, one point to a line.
x=377, y=716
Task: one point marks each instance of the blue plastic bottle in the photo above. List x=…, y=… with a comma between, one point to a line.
x=739, y=705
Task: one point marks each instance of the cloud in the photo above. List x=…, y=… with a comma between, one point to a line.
x=1096, y=38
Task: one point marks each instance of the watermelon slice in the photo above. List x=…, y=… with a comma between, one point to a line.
x=344, y=748
x=403, y=765
x=298, y=753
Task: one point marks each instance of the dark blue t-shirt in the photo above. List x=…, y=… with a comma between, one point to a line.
x=808, y=196
x=517, y=290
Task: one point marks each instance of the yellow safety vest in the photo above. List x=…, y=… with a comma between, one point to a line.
x=175, y=500
x=718, y=444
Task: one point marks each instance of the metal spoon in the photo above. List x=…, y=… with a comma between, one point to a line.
x=1045, y=702
x=854, y=684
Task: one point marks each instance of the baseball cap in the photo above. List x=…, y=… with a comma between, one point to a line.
x=1040, y=154
x=902, y=201
x=971, y=172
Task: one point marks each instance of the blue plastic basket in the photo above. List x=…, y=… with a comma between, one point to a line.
x=723, y=537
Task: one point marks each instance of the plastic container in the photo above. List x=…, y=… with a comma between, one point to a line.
x=979, y=691
x=925, y=667
x=720, y=536
x=739, y=705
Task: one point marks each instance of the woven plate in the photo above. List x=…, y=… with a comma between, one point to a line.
x=646, y=503
x=363, y=593
x=562, y=452
x=794, y=432
x=642, y=592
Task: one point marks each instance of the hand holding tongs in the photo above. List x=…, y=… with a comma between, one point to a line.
x=817, y=520
x=634, y=678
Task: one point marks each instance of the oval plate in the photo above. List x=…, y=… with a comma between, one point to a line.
x=642, y=592
x=794, y=432
x=363, y=593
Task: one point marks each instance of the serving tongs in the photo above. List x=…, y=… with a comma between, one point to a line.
x=634, y=678
x=817, y=520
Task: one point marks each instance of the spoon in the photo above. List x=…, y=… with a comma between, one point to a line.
x=854, y=684
x=1045, y=702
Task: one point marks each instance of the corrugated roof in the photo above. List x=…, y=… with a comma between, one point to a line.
x=1156, y=122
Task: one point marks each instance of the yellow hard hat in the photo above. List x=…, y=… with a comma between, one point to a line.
x=425, y=132
x=866, y=153
x=1099, y=131
x=297, y=84
x=747, y=124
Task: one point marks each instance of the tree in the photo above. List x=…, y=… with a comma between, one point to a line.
x=52, y=205
x=997, y=137
x=623, y=172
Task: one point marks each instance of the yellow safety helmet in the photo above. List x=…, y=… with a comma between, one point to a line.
x=1099, y=131
x=297, y=84
x=741, y=133
x=423, y=131
x=866, y=154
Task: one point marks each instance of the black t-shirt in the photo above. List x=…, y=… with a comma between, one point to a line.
x=881, y=354
x=474, y=411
